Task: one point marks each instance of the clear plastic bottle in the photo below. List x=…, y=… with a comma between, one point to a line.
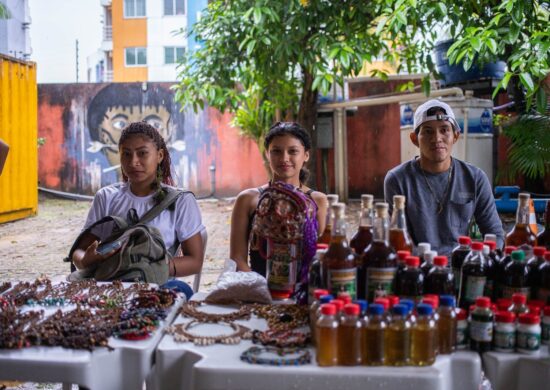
x=545, y=331
x=500, y=271
x=349, y=337
x=424, y=337
x=543, y=285
x=504, y=339
x=462, y=329
x=314, y=308
x=481, y=326
x=410, y=284
x=473, y=276
x=440, y=280
x=519, y=304
x=534, y=264
x=398, y=338
x=375, y=337
x=458, y=255
x=489, y=270
x=446, y=325
x=327, y=330
x=529, y=334
x=517, y=276
x=428, y=262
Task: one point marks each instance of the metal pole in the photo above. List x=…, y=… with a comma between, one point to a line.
x=340, y=154
x=76, y=55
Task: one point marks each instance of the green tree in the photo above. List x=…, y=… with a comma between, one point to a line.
x=4, y=13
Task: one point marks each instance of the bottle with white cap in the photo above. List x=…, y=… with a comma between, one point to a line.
x=428, y=262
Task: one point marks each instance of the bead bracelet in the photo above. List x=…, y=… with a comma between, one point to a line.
x=253, y=356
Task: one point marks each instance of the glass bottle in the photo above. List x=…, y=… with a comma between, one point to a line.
x=327, y=331
x=521, y=235
x=481, y=326
x=423, y=337
x=473, y=276
x=516, y=276
x=398, y=338
x=458, y=255
x=399, y=237
x=327, y=233
x=446, y=325
x=338, y=264
x=440, y=279
x=349, y=334
x=428, y=261
x=315, y=278
x=374, y=335
x=378, y=264
x=363, y=237
x=410, y=283
x=543, y=239
x=543, y=287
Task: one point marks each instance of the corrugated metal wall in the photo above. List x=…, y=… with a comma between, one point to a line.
x=18, y=128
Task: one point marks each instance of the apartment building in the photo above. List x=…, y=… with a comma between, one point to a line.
x=14, y=31
x=143, y=40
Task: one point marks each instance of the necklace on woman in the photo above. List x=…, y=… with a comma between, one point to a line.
x=441, y=200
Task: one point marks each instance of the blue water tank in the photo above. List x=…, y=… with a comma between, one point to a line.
x=454, y=74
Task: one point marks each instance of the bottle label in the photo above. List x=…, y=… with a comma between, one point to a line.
x=545, y=336
x=505, y=340
x=508, y=291
x=475, y=286
x=379, y=282
x=461, y=336
x=544, y=295
x=481, y=331
x=342, y=280
x=528, y=341
x=281, y=272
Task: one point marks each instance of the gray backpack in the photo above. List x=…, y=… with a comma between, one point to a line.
x=142, y=256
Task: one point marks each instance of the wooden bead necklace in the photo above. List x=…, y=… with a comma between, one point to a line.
x=190, y=309
x=281, y=338
x=282, y=317
x=181, y=334
x=253, y=355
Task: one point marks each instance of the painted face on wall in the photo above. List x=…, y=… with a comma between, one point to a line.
x=116, y=118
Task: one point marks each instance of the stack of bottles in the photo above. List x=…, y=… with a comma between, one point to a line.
x=404, y=334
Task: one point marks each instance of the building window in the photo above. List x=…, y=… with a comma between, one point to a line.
x=135, y=56
x=174, y=7
x=134, y=8
x=173, y=54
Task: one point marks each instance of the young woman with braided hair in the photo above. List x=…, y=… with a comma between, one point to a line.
x=145, y=164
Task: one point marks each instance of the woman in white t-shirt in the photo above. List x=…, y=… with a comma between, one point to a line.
x=145, y=164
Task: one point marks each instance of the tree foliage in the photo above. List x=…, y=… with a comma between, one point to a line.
x=4, y=13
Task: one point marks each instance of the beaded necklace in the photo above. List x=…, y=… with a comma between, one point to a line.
x=181, y=333
x=281, y=338
x=253, y=355
x=190, y=309
x=282, y=317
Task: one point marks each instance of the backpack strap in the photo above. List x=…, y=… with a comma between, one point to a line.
x=171, y=196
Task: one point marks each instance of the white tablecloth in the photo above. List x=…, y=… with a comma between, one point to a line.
x=124, y=368
x=186, y=366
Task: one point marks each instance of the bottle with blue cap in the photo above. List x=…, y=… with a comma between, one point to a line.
x=374, y=337
x=446, y=325
x=424, y=337
x=398, y=337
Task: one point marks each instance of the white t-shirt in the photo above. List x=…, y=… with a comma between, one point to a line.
x=178, y=225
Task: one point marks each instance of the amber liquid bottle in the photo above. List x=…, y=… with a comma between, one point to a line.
x=424, y=337
x=447, y=324
x=398, y=338
x=543, y=239
x=363, y=237
x=349, y=336
x=338, y=264
x=521, y=235
x=374, y=336
x=378, y=264
x=327, y=331
x=325, y=237
x=399, y=237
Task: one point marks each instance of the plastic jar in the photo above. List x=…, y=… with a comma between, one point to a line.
x=504, y=338
x=529, y=332
x=461, y=329
x=545, y=337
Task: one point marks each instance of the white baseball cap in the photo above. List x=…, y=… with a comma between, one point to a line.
x=421, y=114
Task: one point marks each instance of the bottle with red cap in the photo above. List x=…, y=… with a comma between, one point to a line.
x=545, y=328
x=534, y=264
x=543, y=238
x=363, y=237
x=529, y=333
x=504, y=338
x=500, y=269
x=427, y=262
x=385, y=303
x=349, y=335
x=339, y=304
x=318, y=293
x=462, y=329
x=481, y=325
x=543, y=285
x=315, y=279
x=401, y=257
x=440, y=280
x=458, y=255
x=516, y=276
x=327, y=331
x=344, y=296
x=519, y=304
x=473, y=276
x=489, y=270
x=410, y=284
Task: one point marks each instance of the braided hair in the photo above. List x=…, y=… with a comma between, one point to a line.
x=295, y=130
x=145, y=129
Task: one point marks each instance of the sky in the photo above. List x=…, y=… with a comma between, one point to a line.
x=55, y=27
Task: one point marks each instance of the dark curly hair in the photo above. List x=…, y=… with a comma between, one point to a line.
x=145, y=129
x=295, y=130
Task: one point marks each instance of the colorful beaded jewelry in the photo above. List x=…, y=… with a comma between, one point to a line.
x=281, y=338
x=282, y=317
x=181, y=334
x=190, y=309
x=253, y=356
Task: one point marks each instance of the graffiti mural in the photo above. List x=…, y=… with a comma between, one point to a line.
x=81, y=125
